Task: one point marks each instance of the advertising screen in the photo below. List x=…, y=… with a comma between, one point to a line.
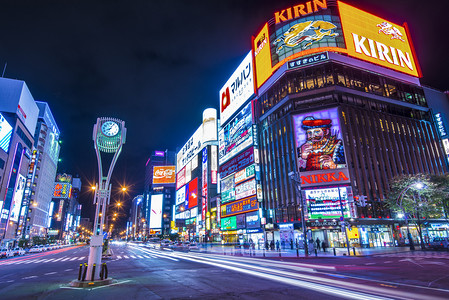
x=156, y=211
x=192, y=194
x=236, y=135
x=377, y=40
x=318, y=140
x=17, y=198
x=246, y=189
x=227, y=189
x=5, y=134
x=204, y=187
x=164, y=175
x=181, y=195
x=190, y=149
x=214, y=164
x=314, y=32
x=181, y=178
x=62, y=190
x=239, y=162
x=238, y=207
x=252, y=220
x=64, y=178
x=325, y=203
x=245, y=174
x=229, y=223
x=238, y=89
x=262, y=56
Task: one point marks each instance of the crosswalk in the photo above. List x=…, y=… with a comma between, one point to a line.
x=70, y=259
x=418, y=254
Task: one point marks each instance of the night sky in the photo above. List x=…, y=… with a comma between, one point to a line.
x=157, y=65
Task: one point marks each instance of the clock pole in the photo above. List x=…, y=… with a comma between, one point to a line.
x=109, y=135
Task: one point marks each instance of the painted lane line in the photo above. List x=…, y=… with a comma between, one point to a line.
x=58, y=259
x=73, y=258
x=139, y=256
x=65, y=259
x=9, y=281
x=157, y=255
x=125, y=256
x=370, y=264
x=119, y=257
x=38, y=261
x=146, y=256
x=81, y=258
x=29, y=262
x=68, y=270
x=29, y=277
x=51, y=273
x=132, y=256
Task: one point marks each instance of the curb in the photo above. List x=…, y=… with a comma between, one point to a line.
x=89, y=284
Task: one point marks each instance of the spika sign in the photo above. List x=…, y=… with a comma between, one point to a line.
x=237, y=90
x=377, y=40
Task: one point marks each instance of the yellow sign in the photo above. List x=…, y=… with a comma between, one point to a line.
x=353, y=233
x=262, y=56
x=377, y=40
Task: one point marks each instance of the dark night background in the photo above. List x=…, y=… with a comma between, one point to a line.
x=157, y=65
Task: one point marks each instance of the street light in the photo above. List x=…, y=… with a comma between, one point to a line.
x=418, y=186
x=297, y=181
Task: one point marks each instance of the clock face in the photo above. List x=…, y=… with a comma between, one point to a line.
x=109, y=128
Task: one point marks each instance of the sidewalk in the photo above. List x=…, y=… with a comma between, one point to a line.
x=339, y=252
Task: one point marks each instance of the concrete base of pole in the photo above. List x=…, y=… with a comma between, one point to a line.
x=89, y=284
x=95, y=252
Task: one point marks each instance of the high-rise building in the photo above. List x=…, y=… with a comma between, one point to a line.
x=46, y=139
x=19, y=114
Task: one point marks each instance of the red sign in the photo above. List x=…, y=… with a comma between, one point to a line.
x=237, y=163
x=324, y=177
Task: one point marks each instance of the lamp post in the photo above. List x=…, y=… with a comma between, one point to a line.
x=295, y=177
x=419, y=186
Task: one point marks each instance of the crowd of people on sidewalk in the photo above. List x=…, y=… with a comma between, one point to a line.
x=317, y=244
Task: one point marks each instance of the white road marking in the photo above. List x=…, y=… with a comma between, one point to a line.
x=29, y=262
x=81, y=258
x=370, y=263
x=132, y=256
x=125, y=256
x=29, y=277
x=10, y=281
x=51, y=273
x=146, y=256
x=38, y=261
x=68, y=270
x=65, y=259
x=50, y=260
x=73, y=258
x=58, y=259
x=119, y=257
x=139, y=256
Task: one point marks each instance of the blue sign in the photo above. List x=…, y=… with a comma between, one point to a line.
x=307, y=60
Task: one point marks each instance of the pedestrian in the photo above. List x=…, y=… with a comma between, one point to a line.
x=277, y=245
x=266, y=245
x=323, y=245
x=291, y=244
x=272, y=245
x=318, y=244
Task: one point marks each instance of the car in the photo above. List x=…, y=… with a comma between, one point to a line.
x=194, y=246
x=35, y=249
x=165, y=243
x=6, y=253
x=440, y=243
x=18, y=251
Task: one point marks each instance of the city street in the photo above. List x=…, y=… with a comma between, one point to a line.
x=144, y=273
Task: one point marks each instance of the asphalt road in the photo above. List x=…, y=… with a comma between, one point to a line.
x=143, y=273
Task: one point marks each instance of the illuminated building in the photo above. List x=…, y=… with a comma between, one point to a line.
x=160, y=179
x=195, y=209
x=19, y=114
x=46, y=141
x=65, y=210
x=340, y=103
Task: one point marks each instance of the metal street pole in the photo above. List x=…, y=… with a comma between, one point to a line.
x=296, y=178
x=399, y=201
x=109, y=135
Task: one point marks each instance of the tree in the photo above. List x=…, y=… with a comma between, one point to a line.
x=416, y=196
